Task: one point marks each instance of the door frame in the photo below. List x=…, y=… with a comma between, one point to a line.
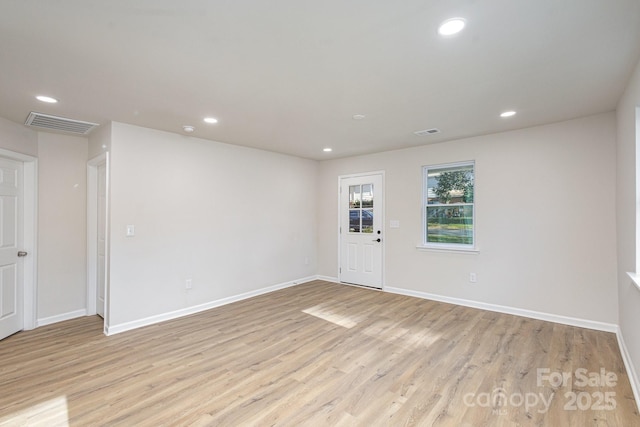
x=384, y=232
x=92, y=236
x=30, y=236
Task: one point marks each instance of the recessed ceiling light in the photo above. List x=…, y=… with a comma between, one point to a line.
x=48, y=99
x=358, y=116
x=508, y=114
x=327, y=150
x=188, y=128
x=451, y=26
x=211, y=120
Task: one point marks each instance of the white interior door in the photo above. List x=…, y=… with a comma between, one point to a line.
x=101, y=233
x=361, y=240
x=11, y=266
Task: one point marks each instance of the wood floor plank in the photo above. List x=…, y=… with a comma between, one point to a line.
x=313, y=355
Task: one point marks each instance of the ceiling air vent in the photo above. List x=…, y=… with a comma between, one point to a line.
x=427, y=132
x=45, y=121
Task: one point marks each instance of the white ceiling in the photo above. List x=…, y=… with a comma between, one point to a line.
x=288, y=75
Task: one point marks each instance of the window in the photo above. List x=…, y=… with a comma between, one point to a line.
x=361, y=208
x=635, y=275
x=448, y=206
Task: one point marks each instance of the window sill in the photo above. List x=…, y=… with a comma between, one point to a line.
x=635, y=277
x=452, y=250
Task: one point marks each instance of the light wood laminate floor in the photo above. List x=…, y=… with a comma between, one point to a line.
x=313, y=355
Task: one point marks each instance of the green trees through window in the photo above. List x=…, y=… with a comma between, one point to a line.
x=449, y=205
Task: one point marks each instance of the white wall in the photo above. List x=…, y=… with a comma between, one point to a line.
x=545, y=200
x=626, y=208
x=99, y=140
x=232, y=219
x=18, y=138
x=62, y=191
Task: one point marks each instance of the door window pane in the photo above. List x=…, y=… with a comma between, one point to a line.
x=354, y=220
x=354, y=196
x=367, y=195
x=361, y=219
x=367, y=220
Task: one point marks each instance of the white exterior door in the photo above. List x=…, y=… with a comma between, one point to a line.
x=361, y=239
x=102, y=246
x=11, y=266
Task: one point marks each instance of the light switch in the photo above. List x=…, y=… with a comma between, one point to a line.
x=394, y=223
x=131, y=231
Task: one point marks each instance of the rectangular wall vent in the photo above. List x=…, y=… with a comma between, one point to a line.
x=45, y=121
x=427, y=132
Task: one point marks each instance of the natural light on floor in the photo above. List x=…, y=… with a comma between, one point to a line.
x=52, y=412
x=389, y=331
x=337, y=319
x=381, y=329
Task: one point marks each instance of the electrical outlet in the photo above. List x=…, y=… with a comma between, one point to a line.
x=473, y=278
x=188, y=284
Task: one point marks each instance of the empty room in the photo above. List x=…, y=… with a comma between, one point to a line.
x=338, y=213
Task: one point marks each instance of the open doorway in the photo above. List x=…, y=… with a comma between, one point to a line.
x=97, y=237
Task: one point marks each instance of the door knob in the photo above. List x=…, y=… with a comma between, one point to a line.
x=22, y=253
x=377, y=240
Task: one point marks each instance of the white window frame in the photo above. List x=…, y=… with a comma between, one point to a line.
x=635, y=275
x=456, y=247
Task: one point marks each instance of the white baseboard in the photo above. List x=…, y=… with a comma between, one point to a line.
x=631, y=372
x=61, y=317
x=571, y=321
x=328, y=279
x=127, y=326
